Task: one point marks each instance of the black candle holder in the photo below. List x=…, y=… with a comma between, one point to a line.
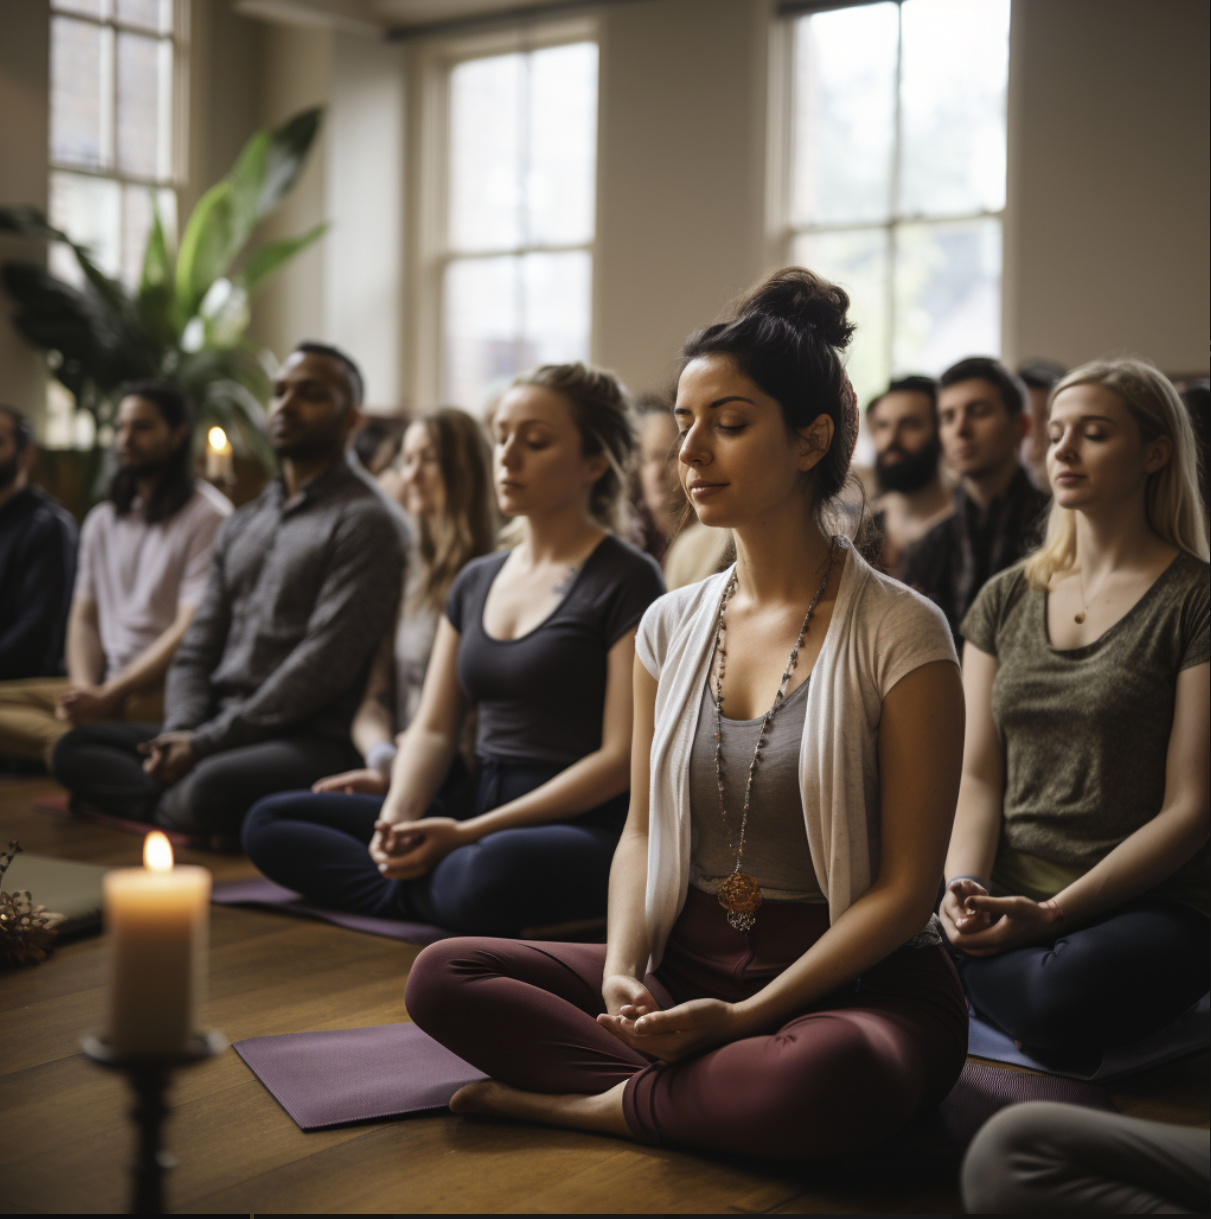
x=149, y=1078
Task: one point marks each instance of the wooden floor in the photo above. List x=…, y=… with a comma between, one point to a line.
x=67, y=1139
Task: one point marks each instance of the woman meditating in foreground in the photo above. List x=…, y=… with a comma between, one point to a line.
x=1077, y=900
x=541, y=640
x=772, y=983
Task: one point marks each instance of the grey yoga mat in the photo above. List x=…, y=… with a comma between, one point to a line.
x=257, y=891
x=1188, y=1034
x=389, y=1070
x=356, y=1075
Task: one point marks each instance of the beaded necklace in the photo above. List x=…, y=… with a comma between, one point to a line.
x=740, y=894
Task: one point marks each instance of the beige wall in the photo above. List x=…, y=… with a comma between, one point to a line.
x=364, y=181
x=295, y=72
x=1107, y=244
x=682, y=168
x=1109, y=241
x=24, y=86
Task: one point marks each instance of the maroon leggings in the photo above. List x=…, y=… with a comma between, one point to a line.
x=838, y=1077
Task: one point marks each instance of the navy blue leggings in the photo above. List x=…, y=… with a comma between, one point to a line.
x=1129, y=974
x=500, y=885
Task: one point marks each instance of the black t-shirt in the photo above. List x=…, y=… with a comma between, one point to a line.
x=541, y=697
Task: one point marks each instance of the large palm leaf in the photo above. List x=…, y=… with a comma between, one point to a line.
x=187, y=319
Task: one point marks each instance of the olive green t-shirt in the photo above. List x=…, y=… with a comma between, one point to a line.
x=1086, y=730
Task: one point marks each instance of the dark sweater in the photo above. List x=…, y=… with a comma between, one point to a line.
x=37, y=570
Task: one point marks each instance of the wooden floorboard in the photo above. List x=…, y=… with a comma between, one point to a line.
x=68, y=1138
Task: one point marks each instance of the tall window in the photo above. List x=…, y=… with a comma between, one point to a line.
x=518, y=264
x=111, y=127
x=898, y=182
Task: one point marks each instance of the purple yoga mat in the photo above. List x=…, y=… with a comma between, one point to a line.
x=257, y=891
x=356, y=1075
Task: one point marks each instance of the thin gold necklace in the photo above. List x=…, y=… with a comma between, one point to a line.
x=1079, y=619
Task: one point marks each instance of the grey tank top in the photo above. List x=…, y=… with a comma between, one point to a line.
x=776, y=850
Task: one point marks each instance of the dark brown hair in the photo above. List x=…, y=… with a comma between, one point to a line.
x=174, y=486
x=787, y=335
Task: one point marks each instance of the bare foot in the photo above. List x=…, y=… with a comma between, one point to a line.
x=601, y=1112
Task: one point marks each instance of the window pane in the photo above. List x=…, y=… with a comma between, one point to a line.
x=481, y=332
x=485, y=153
x=948, y=293
x=562, y=172
x=556, y=306
x=139, y=105
x=845, y=73
x=90, y=8
x=504, y=315
x=87, y=209
x=858, y=262
x=80, y=75
x=954, y=75
x=150, y=14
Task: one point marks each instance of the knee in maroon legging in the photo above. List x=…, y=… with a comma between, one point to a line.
x=825, y=1084
x=437, y=979
x=522, y=1012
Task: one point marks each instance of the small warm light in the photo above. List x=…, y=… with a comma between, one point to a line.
x=217, y=439
x=157, y=852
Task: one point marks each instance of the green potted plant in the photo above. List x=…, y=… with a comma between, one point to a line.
x=187, y=319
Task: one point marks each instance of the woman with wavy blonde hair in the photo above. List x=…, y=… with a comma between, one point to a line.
x=1077, y=895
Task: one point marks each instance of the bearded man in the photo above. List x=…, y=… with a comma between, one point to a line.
x=903, y=423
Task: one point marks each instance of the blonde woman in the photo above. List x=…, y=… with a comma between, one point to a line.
x=445, y=484
x=1077, y=894
x=540, y=640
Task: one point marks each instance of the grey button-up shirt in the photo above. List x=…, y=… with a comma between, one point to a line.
x=300, y=595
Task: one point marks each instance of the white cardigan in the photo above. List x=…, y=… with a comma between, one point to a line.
x=880, y=632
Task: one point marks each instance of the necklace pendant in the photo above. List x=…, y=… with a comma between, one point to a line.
x=1079, y=618
x=740, y=895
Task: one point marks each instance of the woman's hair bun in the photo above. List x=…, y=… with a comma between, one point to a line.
x=806, y=300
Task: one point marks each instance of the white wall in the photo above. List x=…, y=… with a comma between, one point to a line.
x=1109, y=240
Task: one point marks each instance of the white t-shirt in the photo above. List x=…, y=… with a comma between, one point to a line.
x=138, y=574
x=880, y=632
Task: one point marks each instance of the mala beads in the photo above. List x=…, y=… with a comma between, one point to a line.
x=740, y=894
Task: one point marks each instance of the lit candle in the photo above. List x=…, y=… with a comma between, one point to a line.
x=157, y=920
x=219, y=465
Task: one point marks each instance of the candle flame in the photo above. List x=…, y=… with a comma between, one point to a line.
x=157, y=852
x=217, y=439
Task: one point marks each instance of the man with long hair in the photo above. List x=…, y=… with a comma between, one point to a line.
x=144, y=554
x=261, y=692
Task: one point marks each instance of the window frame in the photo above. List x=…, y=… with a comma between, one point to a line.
x=428, y=251
x=784, y=145
x=178, y=39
